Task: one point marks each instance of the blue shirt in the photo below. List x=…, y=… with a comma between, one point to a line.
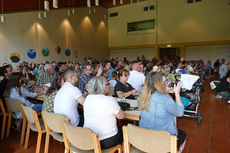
x=25, y=94
x=162, y=113
x=110, y=73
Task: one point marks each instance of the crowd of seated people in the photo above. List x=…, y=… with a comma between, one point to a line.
x=87, y=83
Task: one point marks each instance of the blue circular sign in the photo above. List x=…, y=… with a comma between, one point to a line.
x=31, y=53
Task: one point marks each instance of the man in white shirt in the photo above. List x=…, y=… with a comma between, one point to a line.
x=67, y=98
x=136, y=78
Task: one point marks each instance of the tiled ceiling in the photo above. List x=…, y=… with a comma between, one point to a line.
x=26, y=5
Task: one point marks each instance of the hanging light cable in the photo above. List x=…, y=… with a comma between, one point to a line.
x=2, y=16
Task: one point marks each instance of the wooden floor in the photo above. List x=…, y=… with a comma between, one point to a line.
x=212, y=136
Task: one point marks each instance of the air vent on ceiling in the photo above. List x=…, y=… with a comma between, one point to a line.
x=113, y=14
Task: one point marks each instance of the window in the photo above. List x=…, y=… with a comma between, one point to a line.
x=189, y=1
x=145, y=25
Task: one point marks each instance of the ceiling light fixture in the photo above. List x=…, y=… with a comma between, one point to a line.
x=97, y=2
x=73, y=11
x=114, y=2
x=39, y=7
x=2, y=16
x=121, y=1
x=88, y=3
x=46, y=5
x=131, y=2
x=3, y=19
x=55, y=3
x=39, y=15
x=45, y=15
x=68, y=12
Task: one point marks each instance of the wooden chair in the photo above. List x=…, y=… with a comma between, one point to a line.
x=146, y=140
x=4, y=114
x=82, y=140
x=34, y=124
x=13, y=107
x=53, y=127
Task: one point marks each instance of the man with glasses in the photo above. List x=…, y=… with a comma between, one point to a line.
x=67, y=98
x=87, y=75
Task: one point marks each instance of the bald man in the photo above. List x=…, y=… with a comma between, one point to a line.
x=136, y=78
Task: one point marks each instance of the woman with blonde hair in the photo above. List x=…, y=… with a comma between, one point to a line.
x=159, y=110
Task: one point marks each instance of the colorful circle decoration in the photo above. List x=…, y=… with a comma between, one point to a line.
x=58, y=50
x=15, y=57
x=31, y=53
x=67, y=52
x=45, y=51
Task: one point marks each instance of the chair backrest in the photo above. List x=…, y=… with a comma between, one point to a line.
x=79, y=137
x=53, y=121
x=12, y=104
x=148, y=140
x=2, y=107
x=28, y=113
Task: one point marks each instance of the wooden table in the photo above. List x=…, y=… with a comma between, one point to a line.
x=132, y=115
x=41, y=98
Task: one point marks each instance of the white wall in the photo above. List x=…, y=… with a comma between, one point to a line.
x=117, y=26
x=206, y=53
x=132, y=54
x=84, y=33
x=178, y=22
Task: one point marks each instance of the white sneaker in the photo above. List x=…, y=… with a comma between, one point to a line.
x=229, y=101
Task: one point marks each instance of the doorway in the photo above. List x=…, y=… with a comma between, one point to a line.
x=170, y=53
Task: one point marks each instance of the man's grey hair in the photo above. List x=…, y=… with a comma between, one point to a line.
x=96, y=85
